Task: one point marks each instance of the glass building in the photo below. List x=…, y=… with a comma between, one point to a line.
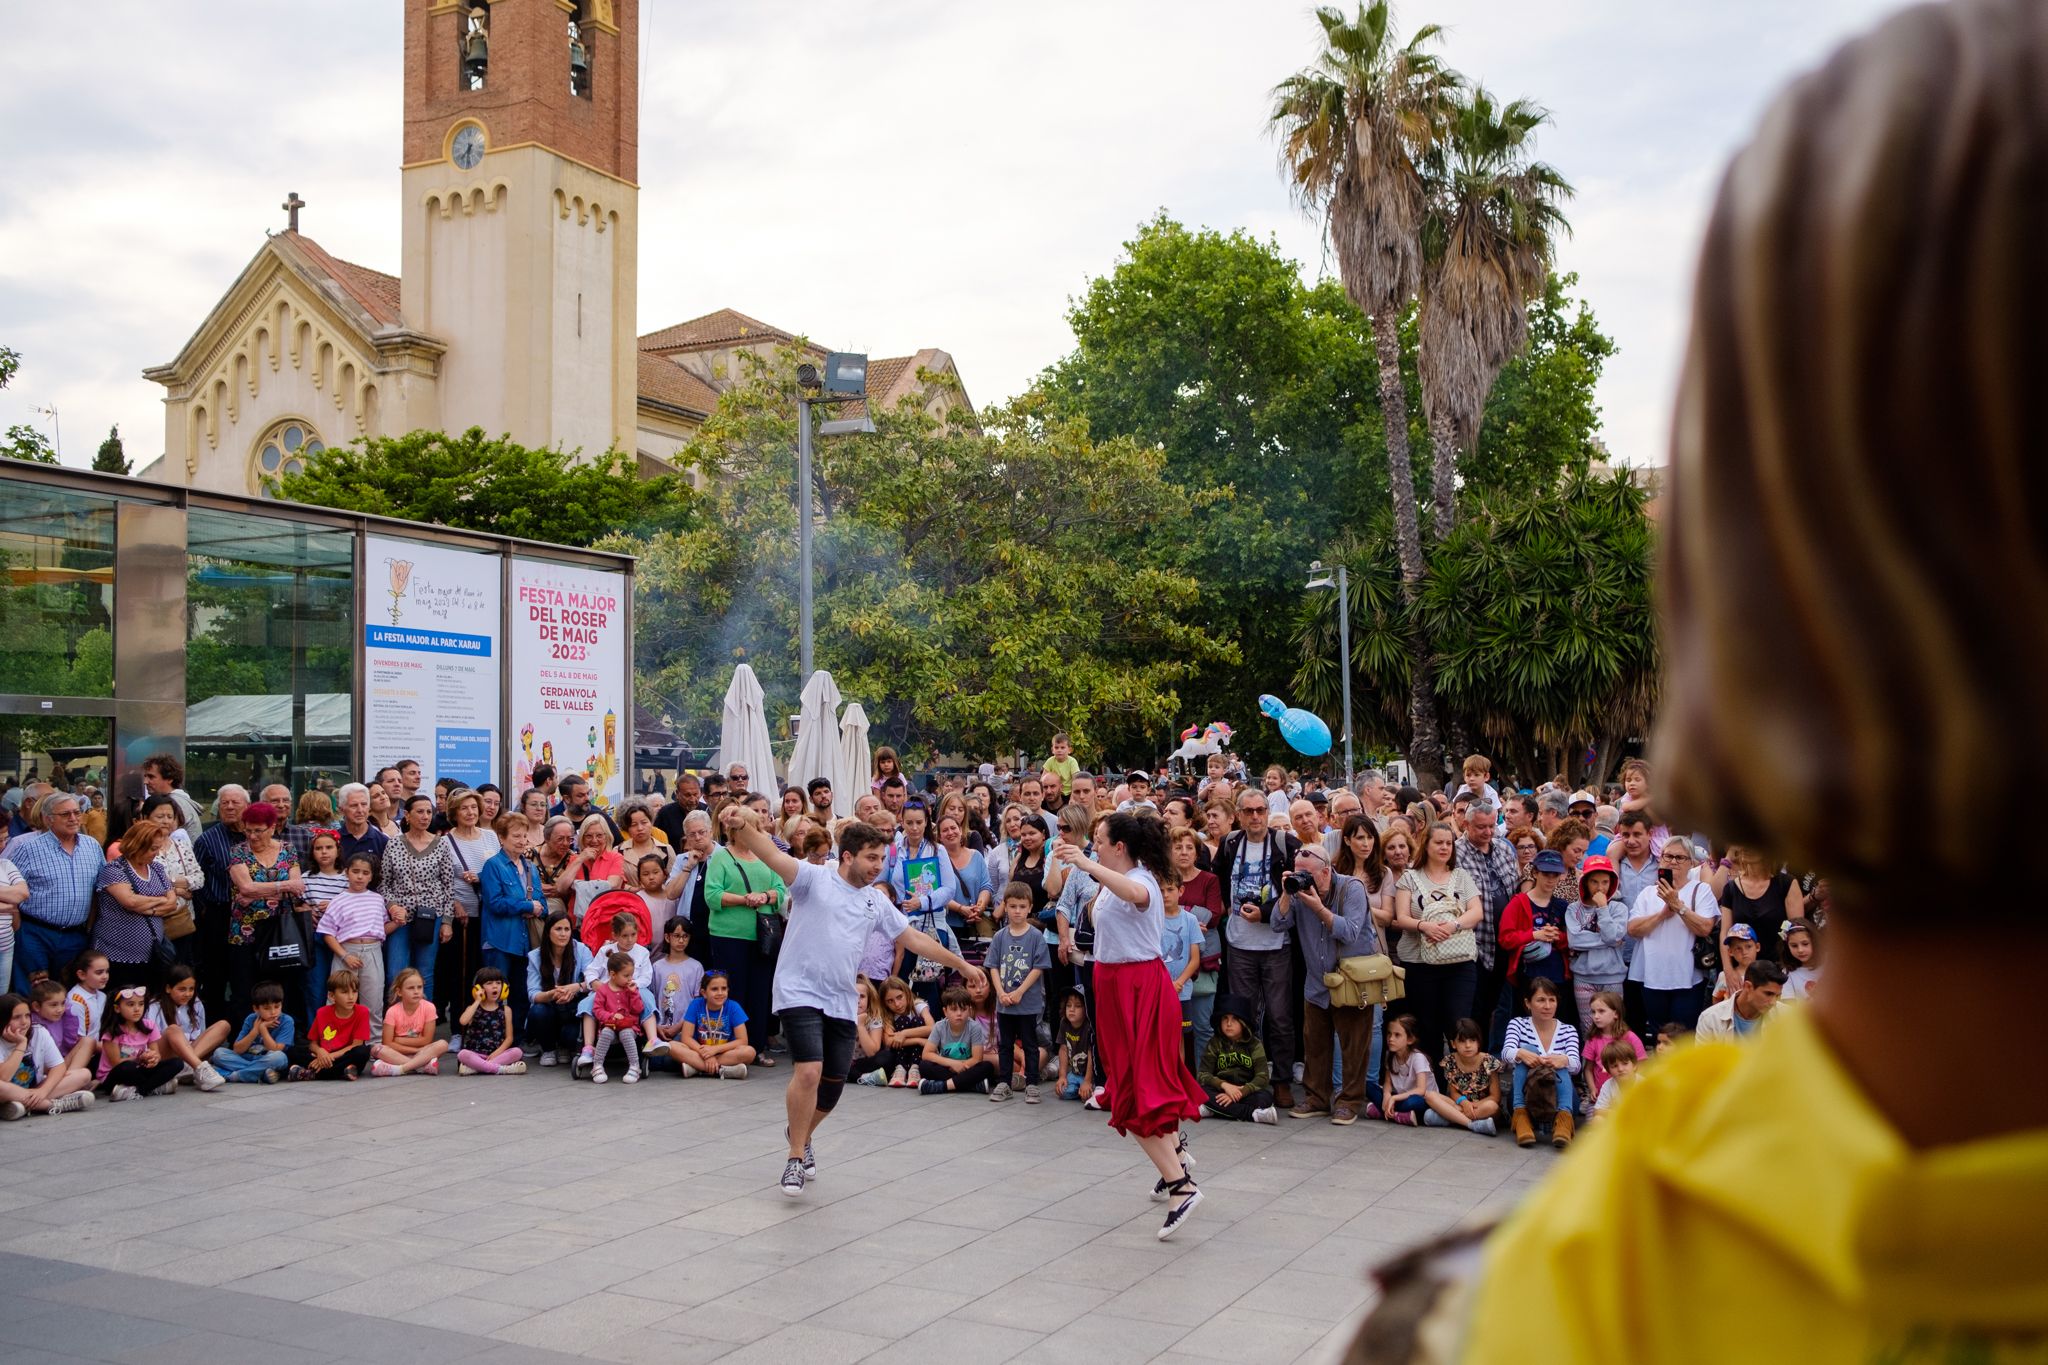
x=138, y=618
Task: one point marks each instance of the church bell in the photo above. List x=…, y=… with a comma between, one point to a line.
x=476, y=48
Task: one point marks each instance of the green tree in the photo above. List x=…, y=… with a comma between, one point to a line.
x=1540, y=607
x=978, y=585
x=481, y=483
x=111, y=459
x=1542, y=415
x=1487, y=242
x=1353, y=127
x=10, y=363
x=26, y=443
x=1260, y=391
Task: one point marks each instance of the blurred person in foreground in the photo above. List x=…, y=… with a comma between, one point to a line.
x=1853, y=584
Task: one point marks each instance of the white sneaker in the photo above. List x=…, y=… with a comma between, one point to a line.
x=654, y=1049
x=169, y=1087
x=463, y=1068
x=72, y=1103
x=688, y=1070
x=1267, y=1115
x=184, y=1073
x=597, y=1076
x=1094, y=1101
x=206, y=1078
x=120, y=1093
x=514, y=1069
x=549, y=1057
x=12, y=1110
x=1001, y=1093
x=632, y=1076
x=736, y=1072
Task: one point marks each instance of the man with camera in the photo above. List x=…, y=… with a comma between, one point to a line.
x=1249, y=864
x=1331, y=919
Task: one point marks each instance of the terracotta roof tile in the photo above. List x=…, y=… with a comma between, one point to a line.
x=713, y=329
x=373, y=290
x=664, y=381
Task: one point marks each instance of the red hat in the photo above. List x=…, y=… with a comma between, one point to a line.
x=1598, y=862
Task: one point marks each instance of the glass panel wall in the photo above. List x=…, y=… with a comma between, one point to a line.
x=269, y=675
x=68, y=752
x=57, y=604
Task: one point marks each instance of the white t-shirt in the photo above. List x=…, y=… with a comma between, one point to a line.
x=1412, y=1077
x=9, y=876
x=1664, y=960
x=829, y=922
x=191, y=1019
x=1799, y=981
x=1125, y=932
x=28, y=1065
x=1276, y=806
x=599, y=968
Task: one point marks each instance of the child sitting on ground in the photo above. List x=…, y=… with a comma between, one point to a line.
x=714, y=1041
x=1471, y=1095
x=258, y=1053
x=1018, y=956
x=132, y=1056
x=675, y=980
x=486, y=1025
x=337, y=1047
x=85, y=991
x=871, y=1026
x=33, y=1076
x=409, y=1044
x=910, y=1023
x=615, y=1015
x=1077, y=1048
x=1621, y=1072
x=1409, y=1081
x=1742, y=950
x=954, y=1052
x=1234, y=1072
x=180, y=1016
x=1606, y=1030
x=51, y=1015
x=625, y=939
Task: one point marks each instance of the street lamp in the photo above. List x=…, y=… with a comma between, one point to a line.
x=845, y=380
x=1319, y=577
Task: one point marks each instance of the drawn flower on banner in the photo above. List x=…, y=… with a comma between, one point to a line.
x=401, y=577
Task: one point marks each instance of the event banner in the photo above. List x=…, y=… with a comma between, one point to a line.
x=571, y=665
x=431, y=659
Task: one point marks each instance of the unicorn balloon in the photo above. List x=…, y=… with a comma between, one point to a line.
x=1304, y=731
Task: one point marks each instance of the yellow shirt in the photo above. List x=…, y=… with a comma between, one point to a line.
x=1068, y=769
x=1745, y=1201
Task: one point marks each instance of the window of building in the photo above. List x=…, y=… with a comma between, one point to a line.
x=57, y=598
x=284, y=449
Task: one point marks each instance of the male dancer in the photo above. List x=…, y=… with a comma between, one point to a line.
x=833, y=912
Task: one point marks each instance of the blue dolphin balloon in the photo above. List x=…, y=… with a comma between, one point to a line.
x=1304, y=731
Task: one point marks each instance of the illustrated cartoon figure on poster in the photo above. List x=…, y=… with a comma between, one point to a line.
x=547, y=752
x=523, y=770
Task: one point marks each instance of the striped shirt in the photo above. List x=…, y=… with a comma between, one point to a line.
x=354, y=915
x=1522, y=1034
x=60, y=884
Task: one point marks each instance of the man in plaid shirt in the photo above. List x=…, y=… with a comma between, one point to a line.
x=1491, y=861
x=60, y=866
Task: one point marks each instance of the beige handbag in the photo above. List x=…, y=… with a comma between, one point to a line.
x=1364, y=981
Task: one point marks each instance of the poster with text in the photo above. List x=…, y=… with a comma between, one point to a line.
x=431, y=659
x=571, y=663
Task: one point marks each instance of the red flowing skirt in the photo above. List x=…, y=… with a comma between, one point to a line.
x=1137, y=1014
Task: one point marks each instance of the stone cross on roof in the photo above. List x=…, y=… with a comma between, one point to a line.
x=292, y=206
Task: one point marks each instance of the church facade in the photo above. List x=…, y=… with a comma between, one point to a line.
x=514, y=309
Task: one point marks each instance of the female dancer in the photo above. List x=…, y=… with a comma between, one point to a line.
x=1137, y=1012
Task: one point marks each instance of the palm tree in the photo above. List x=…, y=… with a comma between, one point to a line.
x=1353, y=127
x=1488, y=235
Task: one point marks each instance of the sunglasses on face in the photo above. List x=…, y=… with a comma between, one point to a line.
x=131, y=993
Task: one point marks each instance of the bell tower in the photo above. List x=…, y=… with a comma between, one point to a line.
x=521, y=215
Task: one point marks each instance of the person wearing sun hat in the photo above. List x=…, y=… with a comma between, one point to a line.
x=1595, y=928
x=1835, y=611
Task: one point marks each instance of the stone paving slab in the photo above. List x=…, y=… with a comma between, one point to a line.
x=533, y=1219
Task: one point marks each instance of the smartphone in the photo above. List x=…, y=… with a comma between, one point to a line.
x=1664, y=875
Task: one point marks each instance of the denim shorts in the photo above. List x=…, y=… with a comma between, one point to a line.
x=815, y=1036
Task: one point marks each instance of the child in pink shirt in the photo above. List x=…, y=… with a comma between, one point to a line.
x=409, y=1043
x=615, y=1006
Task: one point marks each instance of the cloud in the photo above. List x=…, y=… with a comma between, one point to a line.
x=880, y=176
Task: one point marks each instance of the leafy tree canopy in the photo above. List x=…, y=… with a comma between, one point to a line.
x=482, y=483
x=112, y=459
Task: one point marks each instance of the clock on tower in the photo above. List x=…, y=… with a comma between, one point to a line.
x=521, y=213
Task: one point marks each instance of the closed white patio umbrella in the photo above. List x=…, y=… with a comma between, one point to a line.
x=744, y=737
x=817, y=735
x=856, y=766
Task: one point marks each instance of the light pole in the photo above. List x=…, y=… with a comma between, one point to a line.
x=1319, y=577
x=845, y=380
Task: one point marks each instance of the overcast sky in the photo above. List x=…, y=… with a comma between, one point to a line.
x=881, y=175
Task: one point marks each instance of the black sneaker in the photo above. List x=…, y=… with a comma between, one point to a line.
x=810, y=1161
x=1189, y=1196
x=793, y=1177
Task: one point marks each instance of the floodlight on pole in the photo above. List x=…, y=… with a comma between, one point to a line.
x=1320, y=577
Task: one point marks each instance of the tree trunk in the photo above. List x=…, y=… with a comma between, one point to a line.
x=1443, y=496
x=1425, y=747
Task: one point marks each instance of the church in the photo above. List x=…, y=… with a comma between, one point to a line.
x=514, y=306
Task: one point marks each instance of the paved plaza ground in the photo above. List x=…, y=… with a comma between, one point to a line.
x=529, y=1219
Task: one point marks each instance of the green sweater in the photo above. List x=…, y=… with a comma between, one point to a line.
x=1241, y=1063
x=721, y=875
